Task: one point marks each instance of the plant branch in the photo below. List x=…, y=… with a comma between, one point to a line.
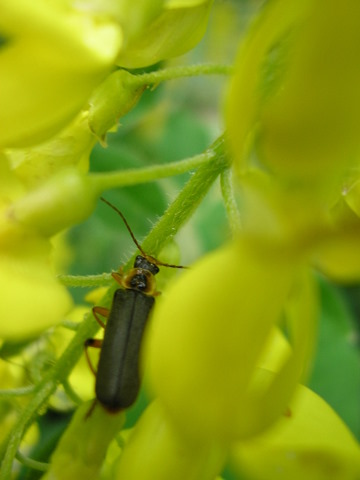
x=175, y=216
x=106, y=181
x=172, y=73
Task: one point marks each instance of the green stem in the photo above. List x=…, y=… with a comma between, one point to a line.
x=16, y=392
x=171, y=73
x=29, y=462
x=227, y=190
x=106, y=181
x=175, y=216
x=187, y=201
x=69, y=324
x=104, y=279
x=45, y=389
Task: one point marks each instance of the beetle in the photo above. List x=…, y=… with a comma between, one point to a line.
x=117, y=378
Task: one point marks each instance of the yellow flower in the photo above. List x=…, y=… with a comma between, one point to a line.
x=31, y=297
x=165, y=453
x=178, y=28
x=51, y=58
x=310, y=442
x=70, y=148
x=295, y=96
x=293, y=115
x=325, y=234
x=208, y=337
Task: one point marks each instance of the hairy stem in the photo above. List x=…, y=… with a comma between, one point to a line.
x=106, y=181
x=171, y=73
x=166, y=228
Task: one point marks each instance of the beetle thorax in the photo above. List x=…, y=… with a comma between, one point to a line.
x=140, y=279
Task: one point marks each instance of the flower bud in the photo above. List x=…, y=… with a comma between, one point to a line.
x=64, y=200
x=81, y=450
x=70, y=148
x=111, y=100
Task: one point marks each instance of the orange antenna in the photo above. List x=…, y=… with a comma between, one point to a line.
x=145, y=255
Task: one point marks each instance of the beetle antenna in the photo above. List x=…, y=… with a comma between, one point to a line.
x=145, y=255
x=126, y=225
x=162, y=264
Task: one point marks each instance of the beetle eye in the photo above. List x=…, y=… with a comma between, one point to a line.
x=138, y=261
x=154, y=269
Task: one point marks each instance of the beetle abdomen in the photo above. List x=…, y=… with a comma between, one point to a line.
x=118, y=379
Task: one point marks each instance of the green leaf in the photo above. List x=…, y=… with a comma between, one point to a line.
x=336, y=371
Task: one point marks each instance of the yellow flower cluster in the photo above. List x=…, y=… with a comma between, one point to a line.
x=58, y=97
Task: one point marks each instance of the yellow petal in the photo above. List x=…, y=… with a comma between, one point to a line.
x=31, y=297
x=276, y=351
x=49, y=208
x=172, y=33
x=69, y=148
x=268, y=393
x=135, y=16
x=165, y=454
x=50, y=61
x=310, y=124
x=244, y=98
x=306, y=122
x=311, y=442
x=207, y=336
x=338, y=256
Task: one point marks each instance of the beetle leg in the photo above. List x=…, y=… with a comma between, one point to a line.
x=95, y=343
x=91, y=409
x=100, y=311
x=118, y=276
